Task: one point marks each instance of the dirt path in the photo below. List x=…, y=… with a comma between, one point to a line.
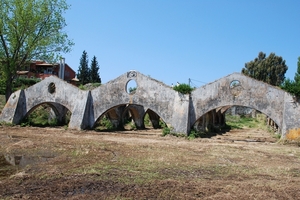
x=53, y=163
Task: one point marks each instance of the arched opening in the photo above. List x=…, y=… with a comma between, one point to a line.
x=153, y=120
x=47, y=114
x=236, y=116
x=110, y=120
x=131, y=86
x=234, y=119
x=128, y=117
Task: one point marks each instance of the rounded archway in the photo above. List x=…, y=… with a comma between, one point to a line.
x=47, y=114
x=226, y=118
x=126, y=117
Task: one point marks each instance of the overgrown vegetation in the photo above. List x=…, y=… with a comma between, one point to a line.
x=240, y=122
x=44, y=116
x=89, y=86
x=23, y=83
x=234, y=122
x=183, y=88
x=104, y=124
x=18, y=83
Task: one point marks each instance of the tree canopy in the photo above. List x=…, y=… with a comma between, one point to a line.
x=269, y=69
x=293, y=86
x=30, y=30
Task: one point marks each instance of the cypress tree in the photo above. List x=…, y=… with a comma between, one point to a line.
x=95, y=78
x=83, y=70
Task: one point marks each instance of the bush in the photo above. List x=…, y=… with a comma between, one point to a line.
x=105, y=122
x=166, y=131
x=41, y=116
x=22, y=83
x=147, y=120
x=2, y=86
x=183, y=88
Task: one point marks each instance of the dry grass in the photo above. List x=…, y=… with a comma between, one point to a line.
x=243, y=164
x=293, y=134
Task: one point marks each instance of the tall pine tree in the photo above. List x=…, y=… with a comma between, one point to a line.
x=95, y=78
x=83, y=71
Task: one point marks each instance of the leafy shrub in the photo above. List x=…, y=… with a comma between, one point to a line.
x=41, y=116
x=183, y=88
x=147, y=120
x=166, y=131
x=106, y=123
x=22, y=83
x=198, y=134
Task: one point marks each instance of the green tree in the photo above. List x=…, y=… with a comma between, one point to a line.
x=84, y=71
x=95, y=78
x=269, y=69
x=293, y=86
x=30, y=30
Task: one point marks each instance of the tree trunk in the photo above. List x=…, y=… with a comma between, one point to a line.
x=8, y=88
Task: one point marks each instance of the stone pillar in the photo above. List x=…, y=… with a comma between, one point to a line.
x=15, y=109
x=115, y=116
x=82, y=115
x=137, y=113
x=154, y=118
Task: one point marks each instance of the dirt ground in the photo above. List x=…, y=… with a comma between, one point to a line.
x=54, y=163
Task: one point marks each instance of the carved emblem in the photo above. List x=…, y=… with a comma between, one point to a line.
x=235, y=88
x=131, y=74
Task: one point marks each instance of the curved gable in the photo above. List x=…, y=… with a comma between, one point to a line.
x=237, y=89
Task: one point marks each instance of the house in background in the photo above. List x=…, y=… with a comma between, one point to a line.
x=40, y=69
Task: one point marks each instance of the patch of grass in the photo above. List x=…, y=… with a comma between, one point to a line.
x=240, y=122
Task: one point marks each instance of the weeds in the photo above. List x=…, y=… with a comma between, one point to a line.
x=6, y=124
x=42, y=116
x=104, y=123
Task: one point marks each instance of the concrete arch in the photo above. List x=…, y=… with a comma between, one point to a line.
x=248, y=92
x=178, y=111
x=170, y=105
x=154, y=118
x=51, y=90
x=59, y=110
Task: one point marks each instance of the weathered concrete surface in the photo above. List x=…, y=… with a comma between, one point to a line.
x=63, y=94
x=248, y=92
x=181, y=112
x=170, y=105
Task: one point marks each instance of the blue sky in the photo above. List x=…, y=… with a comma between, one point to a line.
x=178, y=40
